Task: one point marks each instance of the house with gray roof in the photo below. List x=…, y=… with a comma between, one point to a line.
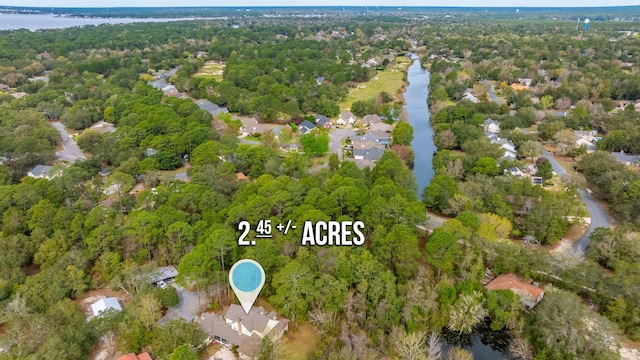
x=277, y=131
x=381, y=127
x=586, y=139
x=42, y=172
x=212, y=108
x=491, y=136
x=626, y=159
x=165, y=273
x=367, y=150
x=383, y=137
x=346, y=117
x=323, y=121
x=491, y=126
x=305, y=126
x=367, y=137
x=370, y=119
x=237, y=328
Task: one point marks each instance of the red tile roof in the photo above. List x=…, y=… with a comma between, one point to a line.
x=511, y=282
x=132, y=356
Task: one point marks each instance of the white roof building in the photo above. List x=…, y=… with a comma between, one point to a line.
x=104, y=305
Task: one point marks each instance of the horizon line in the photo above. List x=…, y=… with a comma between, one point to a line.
x=321, y=6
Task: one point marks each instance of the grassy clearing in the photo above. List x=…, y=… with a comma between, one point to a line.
x=299, y=344
x=390, y=80
x=211, y=69
x=321, y=160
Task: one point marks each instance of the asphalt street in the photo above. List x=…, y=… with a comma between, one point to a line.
x=71, y=151
x=335, y=145
x=599, y=217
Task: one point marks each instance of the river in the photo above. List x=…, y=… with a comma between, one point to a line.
x=50, y=21
x=415, y=98
x=484, y=343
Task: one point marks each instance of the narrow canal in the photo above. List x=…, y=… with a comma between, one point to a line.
x=415, y=98
x=484, y=343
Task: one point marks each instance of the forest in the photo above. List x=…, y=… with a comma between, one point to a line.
x=405, y=294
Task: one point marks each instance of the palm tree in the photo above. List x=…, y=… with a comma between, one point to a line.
x=466, y=313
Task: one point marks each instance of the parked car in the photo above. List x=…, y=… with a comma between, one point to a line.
x=162, y=284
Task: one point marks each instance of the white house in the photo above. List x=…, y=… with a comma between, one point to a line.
x=104, y=305
x=586, y=139
x=469, y=96
x=346, y=117
x=491, y=126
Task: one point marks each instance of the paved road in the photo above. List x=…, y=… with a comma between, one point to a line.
x=187, y=308
x=492, y=93
x=335, y=145
x=599, y=217
x=71, y=150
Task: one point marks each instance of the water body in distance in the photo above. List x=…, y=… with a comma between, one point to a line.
x=415, y=98
x=50, y=21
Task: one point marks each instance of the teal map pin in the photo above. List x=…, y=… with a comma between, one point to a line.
x=247, y=279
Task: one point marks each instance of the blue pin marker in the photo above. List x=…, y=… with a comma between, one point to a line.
x=247, y=279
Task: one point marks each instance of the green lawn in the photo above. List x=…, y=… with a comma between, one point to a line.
x=390, y=80
x=321, y=160
x=300, y=343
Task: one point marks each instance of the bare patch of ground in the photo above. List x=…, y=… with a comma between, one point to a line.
x=434, y=221
x=105, y=349
x=629, y=350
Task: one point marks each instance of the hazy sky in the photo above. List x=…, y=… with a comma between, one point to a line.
x=161, y=3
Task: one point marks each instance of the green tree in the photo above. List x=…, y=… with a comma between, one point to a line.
x=546, y=102
x=487, y=166
x=183, y=352
x=531, y=149
x=560, y=330
x=402, y=134
x=442, y=250
x=174, y=335
x=503, y=306
x=315, y=142
x=467, y=312
x=334, y=162
x=441, y=189
x=545, y=170
x=266, y=349
x=294, y=290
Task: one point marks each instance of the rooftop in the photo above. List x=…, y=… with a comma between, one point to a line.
x=104, y=305
x=40, y=171
x=625, y=158
x=162, y=273
x=532, y=294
